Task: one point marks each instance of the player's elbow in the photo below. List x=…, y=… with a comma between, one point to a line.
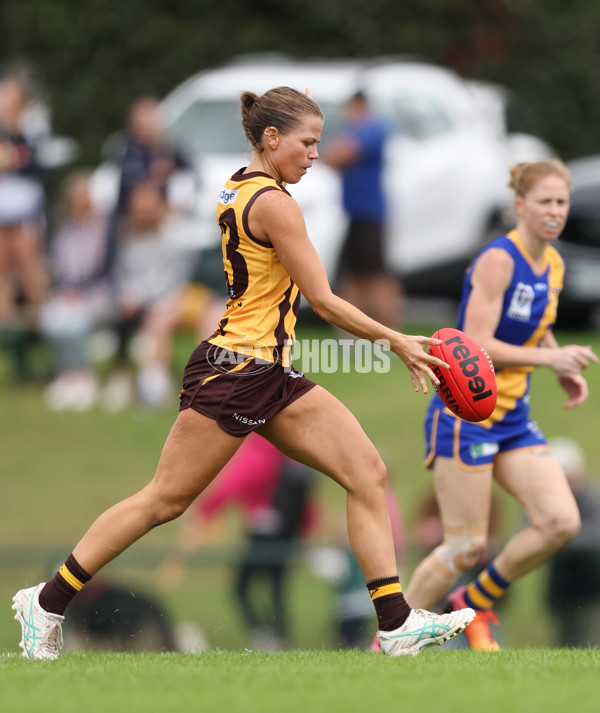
x=321, y=305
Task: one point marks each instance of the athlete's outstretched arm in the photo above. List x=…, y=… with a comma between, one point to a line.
x=490, y=279
x=276, y=217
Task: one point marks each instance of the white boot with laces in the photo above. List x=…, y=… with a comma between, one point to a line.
x=424, y=628
x=41, y=631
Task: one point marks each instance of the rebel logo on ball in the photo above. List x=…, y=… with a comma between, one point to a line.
x=468, y=388
x=469, y=367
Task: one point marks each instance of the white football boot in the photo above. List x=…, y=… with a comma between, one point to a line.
x=41, y=631
x=424, y=628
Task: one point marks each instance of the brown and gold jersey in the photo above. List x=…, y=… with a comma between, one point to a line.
x=263, y=300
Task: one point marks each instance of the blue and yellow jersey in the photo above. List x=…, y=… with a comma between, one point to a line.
x=528, y=312
x=263, y=300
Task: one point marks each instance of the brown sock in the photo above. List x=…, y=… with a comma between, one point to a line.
x=60, y=590
x=390, y=605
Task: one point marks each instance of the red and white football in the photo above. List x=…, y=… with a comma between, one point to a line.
x=468, y=387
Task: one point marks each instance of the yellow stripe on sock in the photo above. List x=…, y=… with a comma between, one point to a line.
x=69, y=578
x=489, y=585
x=394, y=588
x=478, y=598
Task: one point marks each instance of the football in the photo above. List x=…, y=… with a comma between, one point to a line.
x=468, y=388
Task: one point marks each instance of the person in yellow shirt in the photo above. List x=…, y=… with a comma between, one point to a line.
x=240, y=380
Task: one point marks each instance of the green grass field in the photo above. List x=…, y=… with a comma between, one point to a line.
x=60, y=470
x=519, y=681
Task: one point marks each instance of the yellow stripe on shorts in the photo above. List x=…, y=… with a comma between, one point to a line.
x=69, y=578
x=394, y=588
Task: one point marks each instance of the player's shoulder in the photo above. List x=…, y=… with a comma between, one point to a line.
x=499, y=252
x=243, y=189
x=506, y=241
x=272, y=195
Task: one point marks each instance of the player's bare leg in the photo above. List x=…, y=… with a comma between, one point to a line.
x=464, y=498
x=549, y=504
x=553, y=519
x=318, y=430
x=194, y=452
x=321, y=432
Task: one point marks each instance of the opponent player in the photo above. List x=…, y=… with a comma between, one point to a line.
x=241, y=379
x=509, y=302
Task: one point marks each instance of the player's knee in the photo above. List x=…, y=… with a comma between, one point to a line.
x=375, y=477
x=562, y=529
x=460, y=552
x=169, y=508
x=366, y=479
x=380, y=473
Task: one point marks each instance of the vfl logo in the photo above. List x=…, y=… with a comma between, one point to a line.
x=226, y=197
x=520, y=303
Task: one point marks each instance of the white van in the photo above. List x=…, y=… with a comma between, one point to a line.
x=447, y=159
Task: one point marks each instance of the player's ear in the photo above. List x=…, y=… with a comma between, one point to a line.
x=518, y=203
x=272, y=136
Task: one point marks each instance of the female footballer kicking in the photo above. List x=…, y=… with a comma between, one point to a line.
x=240, y=379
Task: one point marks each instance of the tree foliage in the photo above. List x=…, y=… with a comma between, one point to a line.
x=96, y=55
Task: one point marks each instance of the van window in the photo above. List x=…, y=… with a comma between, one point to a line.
x=210, y=126
x=414, y=115
x=215, y=126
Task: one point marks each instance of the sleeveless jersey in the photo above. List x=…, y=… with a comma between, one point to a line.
x=263, y=303
x=528, y=313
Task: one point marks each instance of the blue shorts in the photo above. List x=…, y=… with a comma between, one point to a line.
x=473, y=446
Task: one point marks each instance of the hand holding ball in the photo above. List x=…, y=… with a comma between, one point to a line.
x=468, y=387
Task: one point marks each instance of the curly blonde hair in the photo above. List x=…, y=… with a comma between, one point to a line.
x=524, y=176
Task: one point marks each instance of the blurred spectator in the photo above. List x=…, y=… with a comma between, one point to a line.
x=82, y=297
x=152, y=268
x=23, y=278
x=146, y=155
x=574, y=581
x=358, y=153
x=274, y=493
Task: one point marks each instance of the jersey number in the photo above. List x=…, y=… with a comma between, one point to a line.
x=237, y=277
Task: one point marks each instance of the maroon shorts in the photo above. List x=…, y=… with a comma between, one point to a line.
x=240, y=394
